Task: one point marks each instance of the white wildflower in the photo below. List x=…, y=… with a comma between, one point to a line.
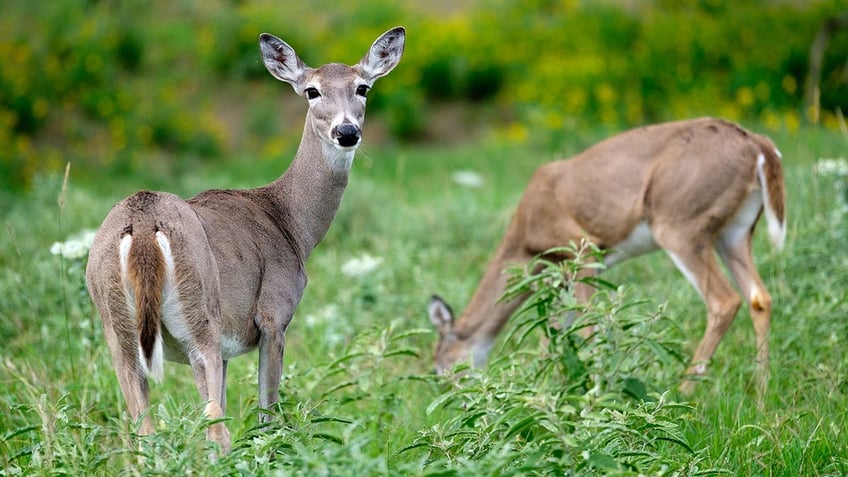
x=838, y=170
x=362, y=265
x=835, y=167
x=332, y=337
x=326, y=314
x=74, y=247
x=468, y=179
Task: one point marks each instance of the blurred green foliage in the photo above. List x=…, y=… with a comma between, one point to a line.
x=128, y=86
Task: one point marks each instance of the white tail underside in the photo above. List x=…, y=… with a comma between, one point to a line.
x=776, y=227
x=154, y=369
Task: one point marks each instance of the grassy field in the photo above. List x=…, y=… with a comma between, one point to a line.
x=358, y=397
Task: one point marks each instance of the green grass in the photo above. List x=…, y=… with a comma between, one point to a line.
x=357, y=398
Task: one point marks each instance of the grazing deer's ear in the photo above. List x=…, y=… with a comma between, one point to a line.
x=281, y=60
x=384, y=54
x=441, y=315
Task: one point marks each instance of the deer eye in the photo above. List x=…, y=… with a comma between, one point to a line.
x=311, y=93
x=362, y=90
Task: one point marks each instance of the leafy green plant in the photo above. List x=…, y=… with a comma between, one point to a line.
x=127, y=85
x=597, y=406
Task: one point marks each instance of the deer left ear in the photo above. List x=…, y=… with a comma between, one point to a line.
x=281, y=60
x=384, y=54
x=441, y=315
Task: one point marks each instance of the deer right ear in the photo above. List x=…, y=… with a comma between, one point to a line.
x=281, y=60
x=441, y=315
x=384, y=54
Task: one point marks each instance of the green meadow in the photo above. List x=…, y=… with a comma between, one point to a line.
x=359, y=397
x=101, y=99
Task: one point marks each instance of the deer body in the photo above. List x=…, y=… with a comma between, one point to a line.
x=203, y=280
x=691, y=188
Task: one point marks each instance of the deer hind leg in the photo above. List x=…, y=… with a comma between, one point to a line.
x=120, y=332
x=192, y=318
x=736, y=254
x=700, y=266
x=208, y=369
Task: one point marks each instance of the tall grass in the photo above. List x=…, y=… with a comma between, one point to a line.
x=358, y=396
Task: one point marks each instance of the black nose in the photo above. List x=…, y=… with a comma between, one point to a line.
x=348, y=134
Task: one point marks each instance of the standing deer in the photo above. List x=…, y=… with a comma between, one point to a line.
x=692, y=188
x=203, y=280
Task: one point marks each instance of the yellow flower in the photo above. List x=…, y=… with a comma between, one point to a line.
x=40, y=108
x=789, y=84
x=745, y=96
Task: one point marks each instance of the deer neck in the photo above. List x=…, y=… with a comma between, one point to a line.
x=486, y=313
x=308, y=194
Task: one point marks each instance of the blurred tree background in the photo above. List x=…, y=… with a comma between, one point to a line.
x=131, y=86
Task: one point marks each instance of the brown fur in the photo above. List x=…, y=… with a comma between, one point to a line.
x=238, y=255
x=147, y=276
x=688, y=181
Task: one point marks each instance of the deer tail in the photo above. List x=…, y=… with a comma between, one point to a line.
x=143, y=267
x=770, y=174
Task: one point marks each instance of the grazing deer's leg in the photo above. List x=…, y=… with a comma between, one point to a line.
x=698, y=263
x=583, y=294
x=739, y=260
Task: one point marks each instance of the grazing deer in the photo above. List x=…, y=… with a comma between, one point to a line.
x=690, y=187
x=203, y=280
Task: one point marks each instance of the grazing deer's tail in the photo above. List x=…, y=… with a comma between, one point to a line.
x=770, y=174
x=143, y=269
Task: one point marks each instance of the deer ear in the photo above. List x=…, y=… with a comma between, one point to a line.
x=384, y=54
x=281, y=60
x=441, y=315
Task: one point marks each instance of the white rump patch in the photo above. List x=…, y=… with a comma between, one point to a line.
x=172, y=315
x=123, y=254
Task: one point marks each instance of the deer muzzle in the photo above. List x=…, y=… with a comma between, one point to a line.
x=347, y=135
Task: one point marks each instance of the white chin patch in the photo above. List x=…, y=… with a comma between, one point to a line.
x=480, y=353
x=339, y=158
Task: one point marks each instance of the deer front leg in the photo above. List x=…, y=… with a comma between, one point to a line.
x=583, y=293
x=272, y=343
